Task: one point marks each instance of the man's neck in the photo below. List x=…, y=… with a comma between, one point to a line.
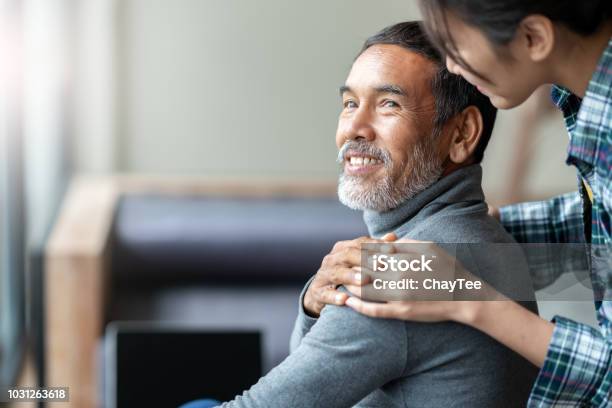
x=451, y=167
x=576, y=58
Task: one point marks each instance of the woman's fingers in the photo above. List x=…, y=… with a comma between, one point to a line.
x=355, y=290
x=343, y=267
x=348, y=256
x=420, y=311
x=379, y=310
x=332, y=296
x=389, y=237
x=494, y=212
x=317, y=297
x=354, y=243
x=342, y=275
x=357, y=242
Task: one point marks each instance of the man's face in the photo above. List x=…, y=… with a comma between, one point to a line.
x=388, y=152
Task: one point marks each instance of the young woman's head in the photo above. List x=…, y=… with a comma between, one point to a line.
x=505, y=47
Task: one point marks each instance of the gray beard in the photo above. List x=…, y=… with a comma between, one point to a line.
x=386, y=194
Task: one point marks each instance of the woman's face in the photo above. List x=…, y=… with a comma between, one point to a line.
x=506, y=75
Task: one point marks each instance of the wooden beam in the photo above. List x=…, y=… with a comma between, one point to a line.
x=75, y=288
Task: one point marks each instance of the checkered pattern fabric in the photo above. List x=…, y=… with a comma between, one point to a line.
x=578, y=366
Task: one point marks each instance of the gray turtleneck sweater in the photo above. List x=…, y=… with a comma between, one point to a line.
x=345, y=359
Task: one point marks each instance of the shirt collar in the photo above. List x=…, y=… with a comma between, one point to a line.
x=580, y=121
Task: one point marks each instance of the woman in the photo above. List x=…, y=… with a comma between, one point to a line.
x=509, y=48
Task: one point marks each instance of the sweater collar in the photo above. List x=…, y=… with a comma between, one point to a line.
x=462, y=185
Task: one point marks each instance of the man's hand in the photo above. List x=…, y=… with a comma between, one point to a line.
x=340, y=267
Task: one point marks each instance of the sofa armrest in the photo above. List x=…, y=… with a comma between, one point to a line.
x=75, y=283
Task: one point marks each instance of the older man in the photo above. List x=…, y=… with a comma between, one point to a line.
x=410, y=137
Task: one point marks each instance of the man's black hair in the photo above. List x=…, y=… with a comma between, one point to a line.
x=451, y=92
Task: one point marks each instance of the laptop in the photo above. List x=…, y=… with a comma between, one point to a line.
x=164, y=365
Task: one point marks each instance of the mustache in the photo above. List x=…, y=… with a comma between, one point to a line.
x=364, y=148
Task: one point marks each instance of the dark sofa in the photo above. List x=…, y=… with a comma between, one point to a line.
x=222, y=262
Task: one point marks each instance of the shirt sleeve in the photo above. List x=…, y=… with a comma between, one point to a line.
x=577, y=370
x=344, y=357
x=558, y=224
x=558, y=220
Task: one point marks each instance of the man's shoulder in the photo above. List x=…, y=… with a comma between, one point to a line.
x=343, y=327
x=460, y=226
x=484, y=248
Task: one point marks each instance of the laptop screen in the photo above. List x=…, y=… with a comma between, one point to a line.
x=166, y=367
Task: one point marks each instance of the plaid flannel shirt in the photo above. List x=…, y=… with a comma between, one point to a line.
x=577, y=370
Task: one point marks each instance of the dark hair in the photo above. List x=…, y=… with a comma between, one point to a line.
x=499, y=19
x=451, y=92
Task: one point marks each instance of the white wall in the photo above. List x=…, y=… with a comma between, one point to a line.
x=94, y=148
x=239, y=86
x=244, y=88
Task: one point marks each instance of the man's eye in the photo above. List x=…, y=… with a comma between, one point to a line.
x=350, y=104
x=390, y=104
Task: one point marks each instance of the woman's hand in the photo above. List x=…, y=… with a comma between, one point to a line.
x=494, y=212
x=418, y=310
x=504, y=320
x=423, y=304
x=340, y=267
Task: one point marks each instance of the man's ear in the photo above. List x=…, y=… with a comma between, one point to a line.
x=466, y=135
x=536, y=36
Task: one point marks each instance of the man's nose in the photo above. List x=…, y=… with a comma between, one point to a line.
x=360, y=126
